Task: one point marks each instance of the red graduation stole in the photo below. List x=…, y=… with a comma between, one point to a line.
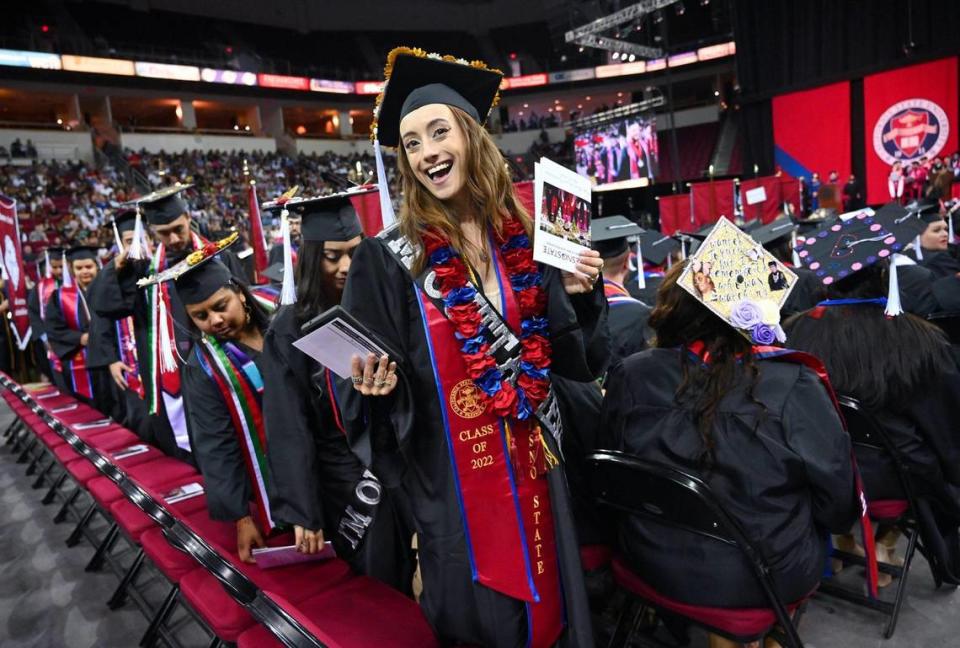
x=507, y=515
x=616, y=294
x=127, y=349
x=75, y=366
x=45, y=289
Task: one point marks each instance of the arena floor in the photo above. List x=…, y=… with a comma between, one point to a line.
x=48, y=601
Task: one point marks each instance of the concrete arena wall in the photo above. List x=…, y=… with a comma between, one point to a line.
x=175, y=142
x=52, y=144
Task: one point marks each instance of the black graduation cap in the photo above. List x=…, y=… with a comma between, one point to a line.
x=194, y=284
x=774, y=231
x=857, y=241
x=415, y=79
x=326, y=218
x=692, y=240
x=163, y=206
x=199, y=282
x=611, y=236
x=125, y=219
x=83, y=252
x=274, y=272
x=55, y=250
x=816, y=220
x=656, y=246
x=928, y=210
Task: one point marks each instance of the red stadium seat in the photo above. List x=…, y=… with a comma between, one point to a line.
x=224, y=616
x=340, y=618
x=172, y=563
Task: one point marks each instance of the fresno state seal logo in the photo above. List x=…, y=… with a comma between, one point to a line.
x=909, y=130
x=465, y=400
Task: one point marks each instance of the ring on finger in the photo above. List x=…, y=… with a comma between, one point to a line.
x=368, y=381
x=356, y=380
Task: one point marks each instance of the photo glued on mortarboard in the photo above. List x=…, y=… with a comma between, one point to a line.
x=562, y=222
x=742, y=283
x=333, y=337
x=858, y=239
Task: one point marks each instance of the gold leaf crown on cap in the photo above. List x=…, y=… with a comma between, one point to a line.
x=419, y=53
x=207, y=252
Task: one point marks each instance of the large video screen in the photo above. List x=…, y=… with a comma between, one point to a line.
x=619, y=151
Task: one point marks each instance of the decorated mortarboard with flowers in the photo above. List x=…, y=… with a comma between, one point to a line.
x=210, y=250
x=741, y=282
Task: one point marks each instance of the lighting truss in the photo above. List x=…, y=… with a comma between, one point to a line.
x=588, y=35
x=619, y=112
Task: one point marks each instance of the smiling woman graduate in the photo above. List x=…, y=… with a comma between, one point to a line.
x=479, y=327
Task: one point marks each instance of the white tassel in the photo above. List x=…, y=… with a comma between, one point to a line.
x=288, y=291
x=167, y=362
x=916, y=248
x=683, y=248
x=893, y=291
x=137, y=247
x=641, y=280
x=67, y=280
x=48, y=273
x=793, y=249
x=117, y=239
x=387, y=217
x=950, y=225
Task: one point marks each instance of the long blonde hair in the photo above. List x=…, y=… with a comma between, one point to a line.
x=487, y=179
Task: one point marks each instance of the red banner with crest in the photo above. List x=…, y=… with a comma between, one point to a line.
x=12, y=258
x=909, y=113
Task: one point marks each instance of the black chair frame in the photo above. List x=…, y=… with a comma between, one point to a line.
x=673, y=498
x=866, y=432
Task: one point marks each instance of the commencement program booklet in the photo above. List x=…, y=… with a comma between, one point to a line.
x=562, y=221
x=335, y=336
x=270, y=557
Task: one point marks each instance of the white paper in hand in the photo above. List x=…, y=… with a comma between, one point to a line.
x=562, y=223
x=334, y=343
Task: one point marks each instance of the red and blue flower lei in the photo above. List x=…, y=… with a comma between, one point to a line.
x=532, y=386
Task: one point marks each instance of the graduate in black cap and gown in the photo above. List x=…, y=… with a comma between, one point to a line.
x=37, y=298
x=161, y=326
x=778, y=237
x=479, y=328
x=655, y=253
x=628, y=316
x=68, y=324
x=223, y=392
x=112, y=341
x=319, y=486
x=899, y=368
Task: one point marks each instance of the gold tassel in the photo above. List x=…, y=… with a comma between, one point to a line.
x=552, y=461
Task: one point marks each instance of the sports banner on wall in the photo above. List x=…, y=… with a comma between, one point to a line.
x=12, y=258
x=909, y=113
x=811, y=131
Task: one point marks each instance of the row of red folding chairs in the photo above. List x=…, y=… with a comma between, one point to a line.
x=314, y=604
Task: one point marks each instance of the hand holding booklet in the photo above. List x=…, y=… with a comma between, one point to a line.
x=335, y=336
x=562, y=222
x=270, y=557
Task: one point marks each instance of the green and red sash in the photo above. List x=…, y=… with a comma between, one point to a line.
x=267, y=296
x=75, y=370
x=45, y=289
x=240, y=384
x=507, y=515
x=162, y=365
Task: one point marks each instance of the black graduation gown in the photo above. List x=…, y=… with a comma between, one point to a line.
x=65, y=342
x=404, y=439
x=942, y=264
x=37, y=333
x=117, y=297
x=805, y=294
x=314, y=473
x=647, y=294
x=216, y=446
x=102, y=351
x=782, y=469
x=627, y=321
